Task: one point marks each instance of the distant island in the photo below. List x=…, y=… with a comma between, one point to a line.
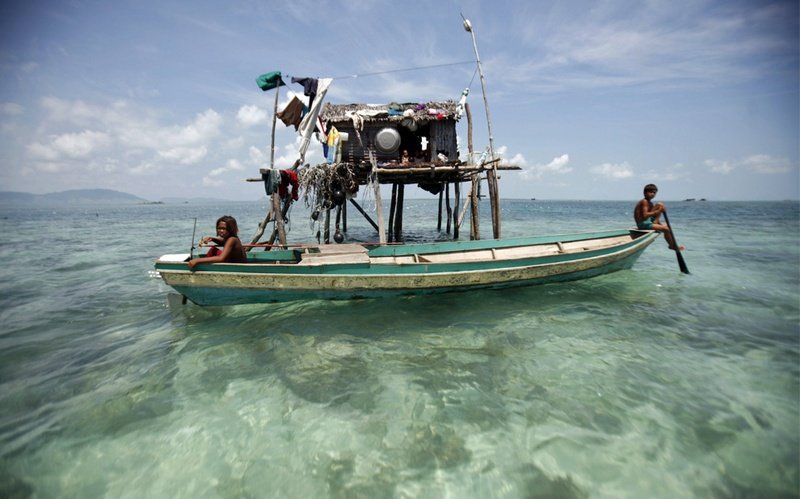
x=75, y=196
x=94, y=197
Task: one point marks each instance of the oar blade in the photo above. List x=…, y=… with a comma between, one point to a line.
x=681, y=262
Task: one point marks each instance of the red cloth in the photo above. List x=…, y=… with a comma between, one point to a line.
x=289, y=177
x=213, y=251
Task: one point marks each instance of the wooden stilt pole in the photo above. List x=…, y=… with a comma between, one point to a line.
x=286, y=204
x=327, y=233
x=474, y=231
x=378, y=202
x=457, y=192
x=337, y=234
x=439, y=220
x=344, y=218
x=392, y=205
x=475, y=225
x=398, y=214
x=364, y=213
x=279, y=226
x=447, y=204
x=261, y=227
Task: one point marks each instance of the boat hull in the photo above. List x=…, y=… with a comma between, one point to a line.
x=409, y=270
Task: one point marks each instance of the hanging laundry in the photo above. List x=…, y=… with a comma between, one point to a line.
x=272, y=180
x=310, y=86
x=292, y=114
x=395, y=109
x=333, y=144
x=462, y=102
x=270, y=80
x=322, y=136
x=308, y=125
x=289, y=178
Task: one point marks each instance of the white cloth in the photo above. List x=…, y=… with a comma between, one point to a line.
x=308, y=124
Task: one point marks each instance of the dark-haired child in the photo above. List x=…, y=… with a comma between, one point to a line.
x=648, y=216
x=228, y=237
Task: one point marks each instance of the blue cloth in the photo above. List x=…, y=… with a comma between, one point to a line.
x=646, y=224
x=272, y=179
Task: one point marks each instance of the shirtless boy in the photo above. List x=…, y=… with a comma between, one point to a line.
x=648, y=215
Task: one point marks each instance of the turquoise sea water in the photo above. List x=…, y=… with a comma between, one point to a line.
x=644, y=383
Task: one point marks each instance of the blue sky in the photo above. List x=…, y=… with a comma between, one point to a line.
x=593, y=99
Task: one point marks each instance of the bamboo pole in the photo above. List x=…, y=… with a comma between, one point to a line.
x=276, y=199
x=268, y=217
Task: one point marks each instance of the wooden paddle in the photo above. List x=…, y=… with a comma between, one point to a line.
x=681, y=263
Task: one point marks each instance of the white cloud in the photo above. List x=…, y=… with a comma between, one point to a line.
x=233, y=165
x=184, y=155
x=759, y=163
x=257, y=156
x=622, y=44
x=613, y=171
x=145, y=168
x=286, y=157
x=205, y=126
x=211, y=180
x=763, y=163
x=559, y=166
x=718, y=166
x=517, y=160
x=11, y=108
x=251, y=115
x=51, y=167
x=69, y=146
x=77, y=112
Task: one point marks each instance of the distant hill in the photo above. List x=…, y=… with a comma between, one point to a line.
x=200, y=200
x=75, y=196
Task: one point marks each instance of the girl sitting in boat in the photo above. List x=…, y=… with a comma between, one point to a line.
x=227, y=237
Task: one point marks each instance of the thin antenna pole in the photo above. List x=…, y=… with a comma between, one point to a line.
x=494, y=193
x=191, y=250
x=468, y=27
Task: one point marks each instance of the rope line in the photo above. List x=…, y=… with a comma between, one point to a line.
x=404, y=69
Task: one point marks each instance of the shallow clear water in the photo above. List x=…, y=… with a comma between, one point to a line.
x=643, y=383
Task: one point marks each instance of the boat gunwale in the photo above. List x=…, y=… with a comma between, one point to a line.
x=406, y=269
x=240, y=289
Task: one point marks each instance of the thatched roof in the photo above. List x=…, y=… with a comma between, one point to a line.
x=418, y=111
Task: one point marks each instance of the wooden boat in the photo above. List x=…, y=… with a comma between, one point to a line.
x=347, y=271
x=364, y=146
